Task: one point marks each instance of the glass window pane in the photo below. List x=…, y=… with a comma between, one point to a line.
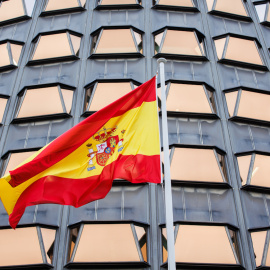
x=15, y=247
x=261, y=9
x=117, y=2
x=261, y=171
x=17, y=159
x=4, y=59
x=180, y=3
x=210, y=4
x=141, y=235
x=107, y=243
x=231, y=6
x=220, y=44
x=29, y=5
x=244, y=164
x=48, y=237
x=41, y=101
x=158, y=39
x=61, y=4
x=231, y=98
x=51, y=46
x=67, y=96
x=190, y=164
x=11, y=9
x=3, y=103
x=203, y=244
x=181, y=42
x=258, y=240
x=76, y=41
x=187, y=98
x=16, y=52
x=106, y=93
x=116, y=41
x=243, y=50
x=254, y=105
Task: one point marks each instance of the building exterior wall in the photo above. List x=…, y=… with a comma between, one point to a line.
x=230, y=203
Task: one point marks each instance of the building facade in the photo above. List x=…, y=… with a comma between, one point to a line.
x=62, y=60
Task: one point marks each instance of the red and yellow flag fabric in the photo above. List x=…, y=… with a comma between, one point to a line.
x=121, y=141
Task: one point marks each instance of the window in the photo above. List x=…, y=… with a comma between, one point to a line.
x=197, y=165
x=10, y=52
x=15, y=247
x=117, y=42
x=109, y=243
x=232, y=7
x=57, y=46
x=45, y=101
x=261, y=248
x=101, y=94
x=236, y=50
x=15, y=10
x=254, y=170
x=189, y=98
x=15, y=159
x=63, y=5
x=3, y=103
x=248, y=104
x=203, y=244
x=118, y=3
x=175, y=3
x=263, y=12
x=182, y=43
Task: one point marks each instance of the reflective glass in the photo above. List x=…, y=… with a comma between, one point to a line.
x=181, y=42
x=16, y=52
x=76, y=41
x=116, y=41
x=61, y=4
x=181, y=3
x=17, y=159
x=261, y=170
x=187, y=98
x=41, y=101
x=117, y=2
x=107, y=243
x=3, y=103
x=242, y=50
x=48, y=237
x=231, y=6
x=244, y=164
x=261, y=9
x=231, y=98
x=11, y=9
x=4, y=59
x=258, y=240
x=15, y=247
x=68, y=97
x=51, y=46
x=220, y=45
x=203, y=244
x=190, y=164
x=105, y=94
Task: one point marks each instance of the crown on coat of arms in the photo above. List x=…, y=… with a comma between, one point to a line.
x=104, y=134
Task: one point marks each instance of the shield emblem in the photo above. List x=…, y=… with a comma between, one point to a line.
x=102, y=158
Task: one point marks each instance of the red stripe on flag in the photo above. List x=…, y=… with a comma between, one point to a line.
x=78, y=192
x=76, y=136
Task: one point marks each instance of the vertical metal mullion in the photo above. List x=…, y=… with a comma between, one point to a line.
x=79, y=3
x=266, y=11
x=136, y=242
x=92, y=95
x=134, y=39
x=250, y=170
x=235, y=112
x=162, y=40
x=70, y=43
x=208, y=98
x=24, y=7
x=231, y=243
x=41, y=244
x=199, y=44
x=171, y=154
x=168, y=89
x=214, y=5
x=77, y=242
x=33, y=51
x=266, y=247
x=10, y=54
x=176, y=230
x=62, y=99
x=225, y=47
x=219, y=166
x=21, y=99
x=99, y=37
x=258, y=50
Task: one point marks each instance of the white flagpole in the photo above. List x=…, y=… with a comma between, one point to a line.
x=167, y=174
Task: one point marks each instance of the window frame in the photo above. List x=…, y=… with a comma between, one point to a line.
x=59, y=59
x=207, y=88
x=227, y=226
x=5, y=110
x=156, y=5
x=223, y=171
x=12, y=65
x=232, y=62
x=266, y=13
x=94, y=84
x=78, y=265
x=98, y=33
x=45, y=264
x=241, y=119
x=21, y=96
x=230, y=15
x=124, y=6
x=45, y=13
x=198, y=36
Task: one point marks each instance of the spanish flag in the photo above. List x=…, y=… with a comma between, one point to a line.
x=121, y=141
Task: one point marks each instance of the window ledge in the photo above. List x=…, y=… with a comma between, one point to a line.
x=7, y=68
x=251, y=121
x=15, y=20
x=42, y=266
x=243, y=64
x=181, y=57
x=115, y=55
x=205, y=266
x=61, y=11
x=53, y=60
x=40, y=118
x=110, y=7
x=198, y=184
x=260, y=189
x=175, y=8
x=192, y=115
x=230, y=15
